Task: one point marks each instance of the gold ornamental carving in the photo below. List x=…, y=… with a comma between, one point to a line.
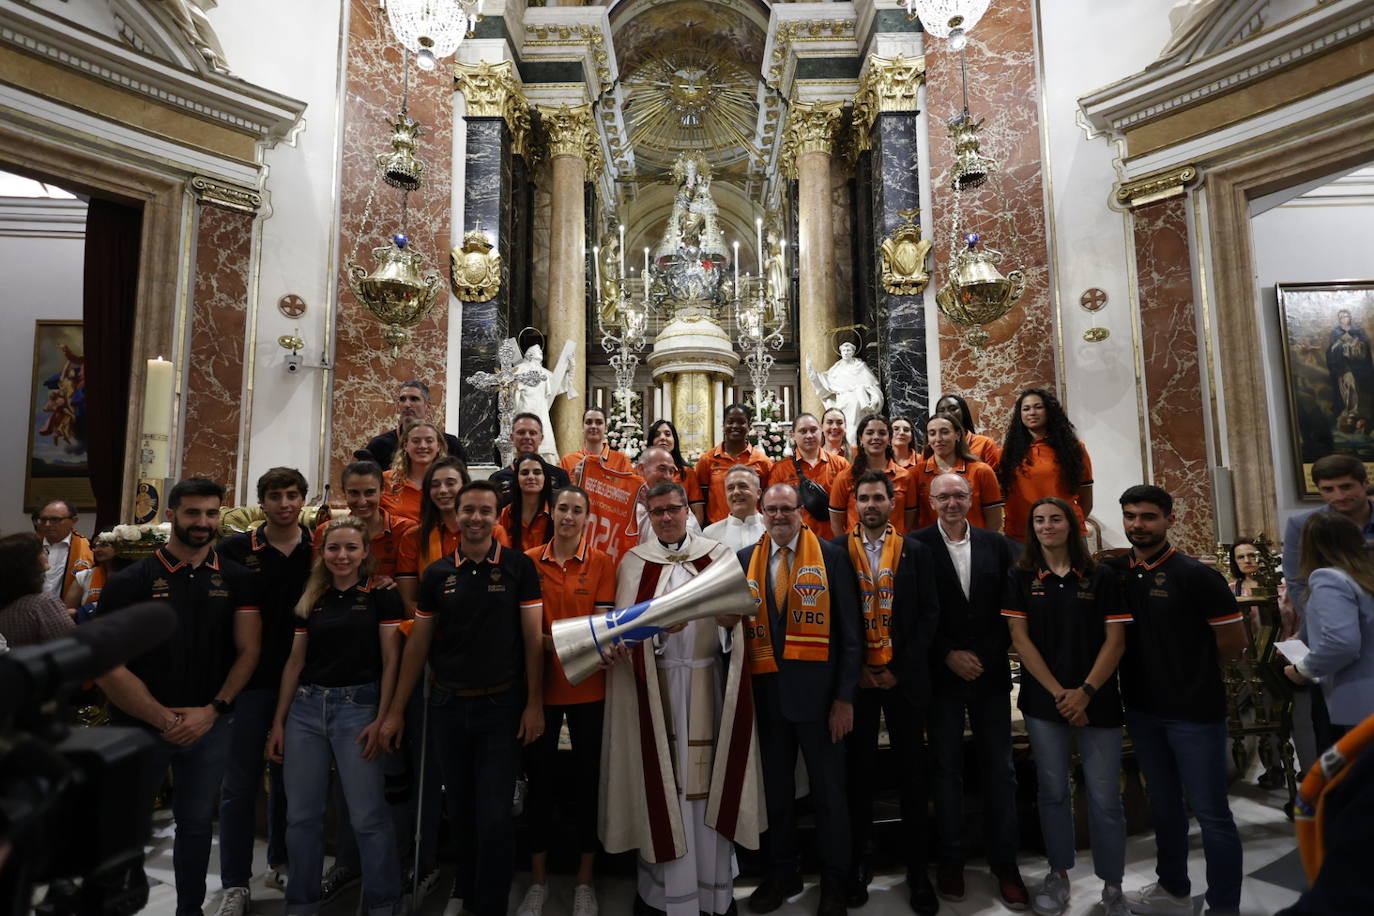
x=492, y=91
x=1159, y=186
x=904, y=254
x=812, y=127
x=889, y=84
x=223, y=194
x=572, y=132
x=475, y=268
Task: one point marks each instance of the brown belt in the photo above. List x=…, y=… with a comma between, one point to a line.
x=474, y=691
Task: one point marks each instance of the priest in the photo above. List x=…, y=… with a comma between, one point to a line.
x=680, y=775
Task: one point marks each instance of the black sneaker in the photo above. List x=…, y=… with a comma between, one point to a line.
x=338, y=879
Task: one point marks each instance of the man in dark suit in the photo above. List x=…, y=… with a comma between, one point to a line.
x=413, y=401
x=803, y=692
x=969, y=657
x=899, y=609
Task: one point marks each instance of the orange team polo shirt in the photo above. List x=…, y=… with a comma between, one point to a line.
x=408, y=551
x=984, y=449
x=688, y=478
x=615, y=460
x=842, y=496
x=711, y=468
x=823, y=472
x=406, y=503
x=984, y=491
x=386, y=544
x=583, y=586
x=911, y=461
x=533, y=536
x=1038, y=477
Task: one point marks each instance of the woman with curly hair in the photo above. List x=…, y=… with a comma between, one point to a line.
x=1042, y=457
x=664, y=434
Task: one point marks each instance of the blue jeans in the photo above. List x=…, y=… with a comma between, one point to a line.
x=480, y=757
x=197, y=772
x=253, y=711
x=990, y=718
x=1100, y=749
x=1185, y=762
x=322, y=726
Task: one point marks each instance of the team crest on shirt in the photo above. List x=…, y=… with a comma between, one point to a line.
x=1159, y=580
x=216, y=580
x=496, y=574
x=451, y=580
x=809, y=583
x=1084, y=584
x=159, y=583
x=251, y=560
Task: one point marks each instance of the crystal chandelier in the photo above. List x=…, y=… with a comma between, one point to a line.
x=948, y=19
x=432, y=29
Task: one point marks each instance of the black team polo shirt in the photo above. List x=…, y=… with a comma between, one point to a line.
x=476, y=607
x=1170, y=668
x=1067, y=619
x=190, y=667
x=345, y=646
x=281, y=581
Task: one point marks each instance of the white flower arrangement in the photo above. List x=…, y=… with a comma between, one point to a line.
x=131, y=541
x=626, y=433
x=770, y=432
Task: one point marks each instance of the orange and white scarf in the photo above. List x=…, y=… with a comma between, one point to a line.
x=805, y=606
x=876, y=588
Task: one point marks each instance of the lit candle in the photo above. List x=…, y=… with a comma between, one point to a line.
x=622, y=249
x=157, y=417
x=646, y=273
x=596, y=268
x=738, y=293
x=758, y=227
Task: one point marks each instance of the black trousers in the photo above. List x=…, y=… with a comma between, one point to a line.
x=906, y=735
x=779, y=741
x=584, y=728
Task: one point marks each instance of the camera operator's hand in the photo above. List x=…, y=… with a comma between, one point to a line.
x=195, y=722
x=389, y=735
x=276, y=743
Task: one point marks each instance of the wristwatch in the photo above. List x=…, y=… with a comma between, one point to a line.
x=1089, y=689
x=223, y=707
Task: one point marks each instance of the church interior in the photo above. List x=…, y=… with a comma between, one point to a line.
x=248, y=221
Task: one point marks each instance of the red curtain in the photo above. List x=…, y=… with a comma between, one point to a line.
x=114, y=233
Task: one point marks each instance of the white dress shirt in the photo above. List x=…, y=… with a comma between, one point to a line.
x=961, y=553
x=874, y=549
x=736, y=533
x=57, y=565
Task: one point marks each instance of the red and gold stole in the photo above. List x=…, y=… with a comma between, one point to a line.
x=805, y=606
x=876, y=588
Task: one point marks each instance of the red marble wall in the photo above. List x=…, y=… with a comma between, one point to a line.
x=365, y=375
x=214, y=364
x=1173, y=380
x=1008, y=210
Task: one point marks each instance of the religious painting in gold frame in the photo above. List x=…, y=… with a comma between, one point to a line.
x=57, y=466
x=1328, y=357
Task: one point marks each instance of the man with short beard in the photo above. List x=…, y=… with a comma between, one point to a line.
x=184, y=689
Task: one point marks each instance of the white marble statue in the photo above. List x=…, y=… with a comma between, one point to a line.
x=848, y=385
x=539, y=397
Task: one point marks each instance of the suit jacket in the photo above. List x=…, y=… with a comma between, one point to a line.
x=806, y=689
x=1292, y=558
x=974, y=623
x=915, y=616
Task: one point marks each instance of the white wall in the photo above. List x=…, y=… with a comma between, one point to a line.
x=42, y=280
x=1302, y=242
x=1082, y=50
x=292, y=48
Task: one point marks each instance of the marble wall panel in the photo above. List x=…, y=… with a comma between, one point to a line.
x=901, y=319
x=214, y=365
x=1173, y=379
x=365, y=375
x=1008, y=210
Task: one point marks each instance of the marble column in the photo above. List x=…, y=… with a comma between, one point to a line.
x=885, y=112
x=808, y=143
x=574, y=158
x=497, y=120
x=212, y=383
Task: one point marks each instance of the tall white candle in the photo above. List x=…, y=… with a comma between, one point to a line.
x=596, y=269
x=622, y=249
x=157, y=416
x=646, y=273
x=739, y=294
x=758, y=228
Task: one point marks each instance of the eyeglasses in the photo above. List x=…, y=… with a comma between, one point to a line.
x=779, y=510
x=663, y=511
x=52, y=519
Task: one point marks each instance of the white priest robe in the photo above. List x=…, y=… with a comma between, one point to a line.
x=736, y=533
x=680, y=774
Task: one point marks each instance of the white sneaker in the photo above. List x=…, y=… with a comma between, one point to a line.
x=1052, y=897
x=235, y=902
x=1153, y=900
x=276, y=879
x=533, y=904
x=1114, y=902
x=584, y=901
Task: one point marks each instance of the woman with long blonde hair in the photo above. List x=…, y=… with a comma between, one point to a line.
x=422, y=444
x=341, y=672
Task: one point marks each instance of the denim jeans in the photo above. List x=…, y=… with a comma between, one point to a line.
x=322, y=726
x=197, y=772
x=253, y=711
x=1185, y=763
x=1100, y=749
x=480, y=757
x=990, y=718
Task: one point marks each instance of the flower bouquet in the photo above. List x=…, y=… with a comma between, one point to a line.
x=134, y=542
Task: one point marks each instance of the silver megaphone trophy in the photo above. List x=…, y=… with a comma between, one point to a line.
x=582, y=642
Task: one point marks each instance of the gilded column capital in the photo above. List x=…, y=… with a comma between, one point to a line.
x=223, y=194
x=812, y=127
x=889, y=84
x=572, y=132
x=492, y=91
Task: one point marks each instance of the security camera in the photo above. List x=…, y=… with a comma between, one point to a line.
x=293, y=363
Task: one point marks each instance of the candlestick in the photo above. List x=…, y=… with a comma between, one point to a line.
x=157, y=418
x=622, y=249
